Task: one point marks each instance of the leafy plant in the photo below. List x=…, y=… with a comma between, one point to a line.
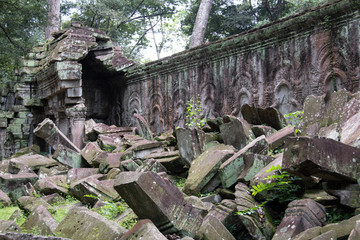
x=279, y=185
x=194, y=112
x=111, y=209
x=294, y=118
x=180, y=182
x=108, y=148
x=129, y=222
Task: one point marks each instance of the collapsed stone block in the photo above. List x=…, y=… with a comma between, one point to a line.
x=170, y=160
x=8, y=226
x=236, y=132
x=258, y=224
x=278, y=138
x=82, y=224
x=152, y=197
x=213, y=229
x=33, y=161
x=69, y=157
x=324, y=158
x=30, y=203
x=4, y=199
x=230, y=170
x=151, y=165
x=326, y=236
x=48, y=131
x=144, y=230
x=254, y=163
x=355, y=233
x=205, y=167
x=263, y=116
x=350, y=131
x=41, y=220
x=349, y=194
x=143, y=127
x=13, y=183
x=52, y=184
x=93, y=154
x=141, y=149
x=76, y=174
x=299, y=216
x=190, y=142
x=103, y=189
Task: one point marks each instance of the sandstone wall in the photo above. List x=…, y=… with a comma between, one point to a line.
x=315, y=52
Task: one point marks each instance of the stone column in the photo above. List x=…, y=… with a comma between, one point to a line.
x=77, y=116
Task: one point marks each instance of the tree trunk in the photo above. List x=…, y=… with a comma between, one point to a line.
x=197, y=36
x=53, y=24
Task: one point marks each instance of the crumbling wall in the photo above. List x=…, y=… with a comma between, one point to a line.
x=315, y=52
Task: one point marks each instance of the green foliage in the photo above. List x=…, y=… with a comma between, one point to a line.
x=233, y=17
x=21, y=27
x=129, y=222
x=294, y=118
x=127, y=22
x=193, y=113
x=180, y=182
x=111, y=209
x=338, y=214
x=280, y=186
x=108, y=148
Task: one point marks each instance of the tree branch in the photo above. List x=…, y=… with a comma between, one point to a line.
x=139, y=40
x=10, y=40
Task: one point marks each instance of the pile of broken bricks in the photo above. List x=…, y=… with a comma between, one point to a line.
x=221, y=162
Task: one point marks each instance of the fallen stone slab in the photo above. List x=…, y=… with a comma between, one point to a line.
x=42, y=220
x=326, y=236
x=278, y=138
x=93, y=154
x=299, y=216
x=90, y=134
x=213, y=229
x=350, y=131
x=355, y=233
x=101, y=128
x=225, y=212
x=8, y=226
x=143, y=127
x=30, y=203
x=263, y=116
x=101, y=189
x=69, y=157
x=83, y=224
x=52, y=184
x=236, y=132
x=349, y=194
x=25, y=236
x=258, y=222
x=230, y=170
x=12, y=184
x=314, y=110
x=152, y=197
x=330, y=132
x=259, y=130
x=112, y=139
x=76, y=174
x=342, y=229
x=254, y=163
x=33, y=161
x=111, y=161
x=144, y=230
x=48, y=131
x=4, y=199
x=171, y=160
x=191, y=142
x=151, y=165
x=205, y=167
x=141, y=149
x=324, y=158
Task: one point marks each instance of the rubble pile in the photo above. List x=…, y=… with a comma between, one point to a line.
x=266, y=177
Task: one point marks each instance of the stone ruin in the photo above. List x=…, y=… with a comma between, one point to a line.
x=99, y=117
x=81, y=74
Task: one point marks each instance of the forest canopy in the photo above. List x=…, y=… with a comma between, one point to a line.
x=135, y=25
